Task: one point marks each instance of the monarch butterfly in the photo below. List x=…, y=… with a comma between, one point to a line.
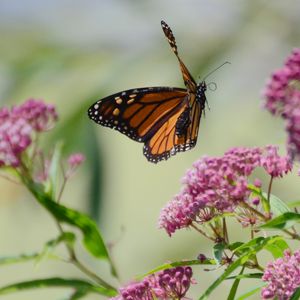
x=165, y=119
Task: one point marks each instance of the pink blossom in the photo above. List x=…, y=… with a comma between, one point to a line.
x=282, y=276
x=40, y=115
x=216, y=185
x=282, y=97
x=167, y=284
x=17, y=127
x=274, y=164
x=15, y=137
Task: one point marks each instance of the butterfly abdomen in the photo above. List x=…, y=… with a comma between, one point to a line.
x=183, y=123
x=200, y=94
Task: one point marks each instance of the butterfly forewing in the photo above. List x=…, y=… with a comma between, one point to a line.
x=187, y=77
x=137, y=112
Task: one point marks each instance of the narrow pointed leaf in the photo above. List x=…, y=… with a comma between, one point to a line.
x=78, y=294
x=235, y=286
x=66, y=237
x=283, y=221
x=250, y=293
x=92, y=238
x=277, y=247
x=246, y=276
x=18, y=259
x=278, y=207
x=234, y=245
x=253, y=247
x=57, y=282
x=294, y=204
x=177, y=264
x=296, y=295
x=53, y=170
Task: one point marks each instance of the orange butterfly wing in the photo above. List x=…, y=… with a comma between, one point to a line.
x=138, y=112
x=166, y=141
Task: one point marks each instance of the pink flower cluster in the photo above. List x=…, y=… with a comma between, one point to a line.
x=215, y=185
x=168, y=284
x=283, y=277
x=18, y=125
x=282, y=96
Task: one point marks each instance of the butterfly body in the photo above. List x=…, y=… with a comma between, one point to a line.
x=165, y=119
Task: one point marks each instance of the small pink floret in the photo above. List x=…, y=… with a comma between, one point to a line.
x=76, y=159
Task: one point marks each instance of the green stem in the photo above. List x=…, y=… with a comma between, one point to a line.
x=202, y=232
x=225, y=231
x=291, y=234
x=28, y=182
x=270, y=188
x=255, y=211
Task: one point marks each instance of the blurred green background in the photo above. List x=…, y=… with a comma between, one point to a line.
x=72, y=53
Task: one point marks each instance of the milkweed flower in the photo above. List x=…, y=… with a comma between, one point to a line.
x=41, y=116
x=17, y=127
x=167, y=284
x=282, y=97
x=282, y=276
x=216, y=185
x=274, y=164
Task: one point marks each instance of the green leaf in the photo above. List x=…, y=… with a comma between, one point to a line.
x=258, y=192
x=54, y=170
x=283, y=221
x=246, y=276
x=296, y=294
x=66, y=237
x=57, y=282
x=253, y=247
x=234, y=245
x=250, y=293
x=18, y=259
x=293, y=204
x=177, y=264
x=235, y=286
x=92, y=238
x=251, y=244
x=218, y=252
x=78, y=294
x=278, y=207
x=277, y=247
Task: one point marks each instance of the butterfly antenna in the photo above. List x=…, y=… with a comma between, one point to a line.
x=226, y=62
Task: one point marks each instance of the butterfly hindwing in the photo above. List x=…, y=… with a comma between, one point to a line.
x=167, y=141
x=137, y=112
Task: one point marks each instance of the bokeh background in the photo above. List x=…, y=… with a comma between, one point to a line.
x=72, y=53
